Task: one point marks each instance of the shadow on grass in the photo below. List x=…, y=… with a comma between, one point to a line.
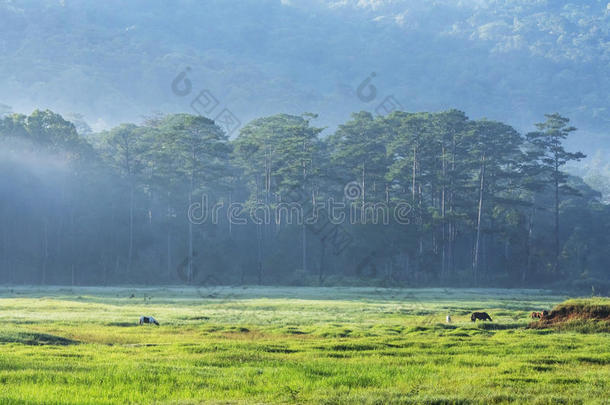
x=122, y=324
x=35, y=339
x=277, y=349
x=594, y=360
x=500, y=326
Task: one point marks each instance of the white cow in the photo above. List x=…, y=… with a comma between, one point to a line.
x=148, y=319
x=448, y=318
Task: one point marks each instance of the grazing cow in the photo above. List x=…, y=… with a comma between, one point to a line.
x=540, y=315
x=448, y=318
x=148, y=319
x=483, y=316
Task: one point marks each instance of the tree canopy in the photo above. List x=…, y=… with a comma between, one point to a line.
x=410, y=198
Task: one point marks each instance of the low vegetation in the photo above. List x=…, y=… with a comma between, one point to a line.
x=302, y=345
x=584, y=315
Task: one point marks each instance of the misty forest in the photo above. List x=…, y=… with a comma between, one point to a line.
x=519, y=198
x=480, y=204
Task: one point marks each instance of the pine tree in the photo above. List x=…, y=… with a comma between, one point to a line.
x=548, y=141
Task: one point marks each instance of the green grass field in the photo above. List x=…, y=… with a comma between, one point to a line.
x=291, y=345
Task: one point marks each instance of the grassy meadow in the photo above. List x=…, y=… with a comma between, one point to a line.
x=292, y=345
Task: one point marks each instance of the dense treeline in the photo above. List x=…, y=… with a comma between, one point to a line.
x=405, y=199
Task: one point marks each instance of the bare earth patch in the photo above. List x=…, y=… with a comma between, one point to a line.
x=584, y=315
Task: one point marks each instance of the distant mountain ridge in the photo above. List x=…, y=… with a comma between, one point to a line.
x=112, y=61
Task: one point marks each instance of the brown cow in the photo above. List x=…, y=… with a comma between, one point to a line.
x=540, y=315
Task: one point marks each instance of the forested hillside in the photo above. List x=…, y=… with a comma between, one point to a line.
x=509, y=60
x=403, y=199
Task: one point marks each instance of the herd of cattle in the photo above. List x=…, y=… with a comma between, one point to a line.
x=481, y=316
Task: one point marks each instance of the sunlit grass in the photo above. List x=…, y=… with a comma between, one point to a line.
x=278, y=345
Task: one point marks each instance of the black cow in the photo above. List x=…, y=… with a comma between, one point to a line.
x=483, y=316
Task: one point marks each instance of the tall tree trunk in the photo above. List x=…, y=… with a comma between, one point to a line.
x=321, y=269
x=362, y=212
x=113, y=244
x=73, y=240
x=556, y=261
x=451, y=246
x=443, y=236
x=59, y=234
x=452, y=226
x=130, y=252
x=506, y=256
x=190, y=239
x=259, y=240
x=45, y=251
x=6, y=267
x=304, y=246
x=169, y=254
x=413, y=175
x=168, y=237
x=259, y=250
x=387, y=194
x=475, y=262
x=230, y=221
x=421, y=219
x=415, y=189
x=303, y=227
x=528, y=246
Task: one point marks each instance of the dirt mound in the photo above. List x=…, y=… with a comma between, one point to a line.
x=590, y=314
